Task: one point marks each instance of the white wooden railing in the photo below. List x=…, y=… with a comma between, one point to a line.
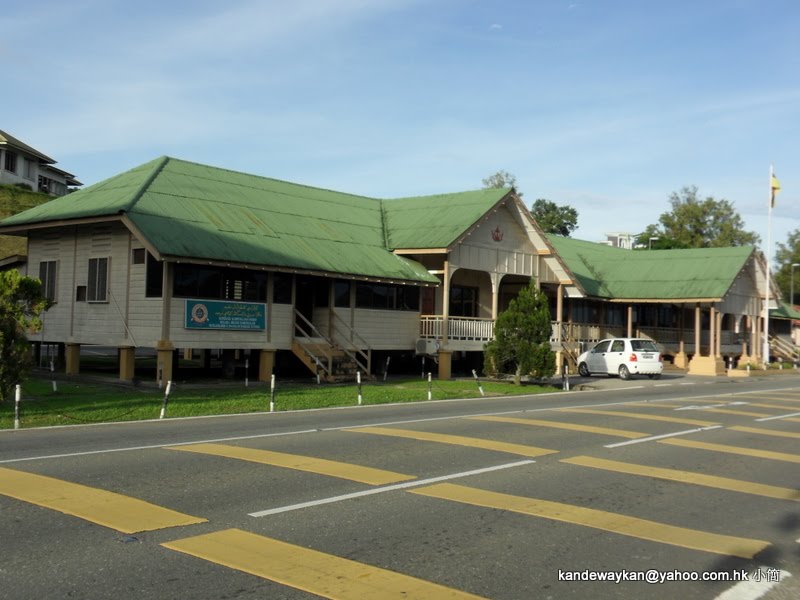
x=482, y=330
x=458, y=328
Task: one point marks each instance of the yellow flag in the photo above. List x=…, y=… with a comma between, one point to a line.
x=775, y=187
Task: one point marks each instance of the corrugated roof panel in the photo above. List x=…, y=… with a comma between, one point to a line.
x=665, y=274
x=435, y=221
x=204, y=213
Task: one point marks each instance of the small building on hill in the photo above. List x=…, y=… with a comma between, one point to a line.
x=176, y=255
x=21, y=164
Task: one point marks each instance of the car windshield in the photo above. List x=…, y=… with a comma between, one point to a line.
x=644, y=346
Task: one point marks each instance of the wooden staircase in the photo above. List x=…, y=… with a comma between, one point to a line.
x=323, y=357
x=783, y=348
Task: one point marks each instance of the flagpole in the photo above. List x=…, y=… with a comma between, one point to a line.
x=765, y=351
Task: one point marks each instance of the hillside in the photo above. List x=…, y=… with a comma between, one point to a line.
x=12, y=201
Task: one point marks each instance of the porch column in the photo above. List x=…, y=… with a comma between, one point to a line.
x=445, y=356
x=559, y=319
x=758, y=348
x=712, y=331
x=630, y=320
x=697, y=321
x=681, y=360
x=495, y=277
x=720, y=318
x=73, y=359
x=711, y=364
x=127, y=363
x=445, y=303
x=748, y=355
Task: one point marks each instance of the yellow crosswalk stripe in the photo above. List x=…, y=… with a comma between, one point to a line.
x=782, y=456
x=646, y=417
x=568, y=426
x=773, y=432
x=312, y=571
x=656, y=404
x=730, y=411
x=599, y=519
x=110, y=509
x=778, y=406
x=723, y=483
x=442, y=438
x=320, y=466
x=776, y=396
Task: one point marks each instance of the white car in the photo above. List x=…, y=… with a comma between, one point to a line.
x=622, y=356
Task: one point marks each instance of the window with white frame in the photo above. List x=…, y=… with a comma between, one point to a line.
x=48, y=271
x=97, y=288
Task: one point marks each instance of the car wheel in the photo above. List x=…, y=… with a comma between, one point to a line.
x=583, y=370
x=624, y=373
x=657, y=376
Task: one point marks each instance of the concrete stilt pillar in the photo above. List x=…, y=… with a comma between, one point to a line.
x=266, y=364
x=73, y=359
x=127, y=363
x=164, y=372
x=445, y=365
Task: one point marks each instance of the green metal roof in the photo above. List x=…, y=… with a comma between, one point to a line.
x=785, y=311
x=192, y=211
x=616, y=273
x=436, y=221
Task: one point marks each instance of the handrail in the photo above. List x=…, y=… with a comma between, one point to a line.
x=783, y=346
x=366, y=355
x=327, y=369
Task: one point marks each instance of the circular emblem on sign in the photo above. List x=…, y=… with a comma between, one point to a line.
x=199, y=313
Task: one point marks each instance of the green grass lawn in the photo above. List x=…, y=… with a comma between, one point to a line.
x=79, y=403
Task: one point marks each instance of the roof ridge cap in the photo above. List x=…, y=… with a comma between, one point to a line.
x=162, y=162
x=275, y=179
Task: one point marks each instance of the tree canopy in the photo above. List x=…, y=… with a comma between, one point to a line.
x=787, y=255
x=698, y=223
x=552, y=218
x=21, y=302
x=501, y=179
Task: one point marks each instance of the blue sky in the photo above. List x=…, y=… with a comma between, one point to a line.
x=607, y=106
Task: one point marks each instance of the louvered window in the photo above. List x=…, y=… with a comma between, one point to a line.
x=48, y=270
x=97, y=289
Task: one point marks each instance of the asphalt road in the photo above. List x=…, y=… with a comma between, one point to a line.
x=498, y=498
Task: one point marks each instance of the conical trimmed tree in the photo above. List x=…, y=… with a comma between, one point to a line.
x=521, y=342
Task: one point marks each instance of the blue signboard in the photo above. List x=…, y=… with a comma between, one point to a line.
x=215, y=314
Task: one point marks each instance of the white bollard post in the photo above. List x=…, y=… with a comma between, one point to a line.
x=358, y=378
x=430, y=386
x=166, y=399
x=53, y=375
x=246, y=372
x=480, y=387
x=272, y=394
x=386, y=369
x=17, y=400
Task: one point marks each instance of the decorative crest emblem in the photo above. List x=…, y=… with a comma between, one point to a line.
x=199, y=313
x=497, y=235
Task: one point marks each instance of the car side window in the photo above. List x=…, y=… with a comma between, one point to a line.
x=618, y=346
x=601, y=347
